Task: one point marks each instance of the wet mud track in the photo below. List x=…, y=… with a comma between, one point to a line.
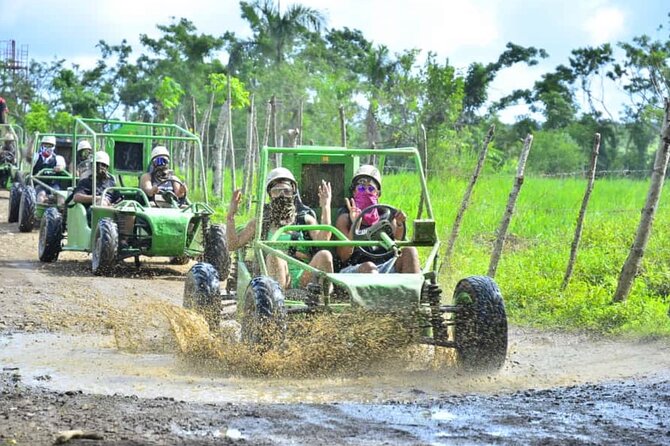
x=59, y=372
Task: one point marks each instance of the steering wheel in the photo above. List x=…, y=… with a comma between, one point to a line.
x=386, y=215
x=168, y=195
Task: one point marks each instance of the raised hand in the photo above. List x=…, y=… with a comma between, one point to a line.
x=235, y=202
x=325, y=194
x=354, y=212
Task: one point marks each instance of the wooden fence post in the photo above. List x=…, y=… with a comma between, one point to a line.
x=632, y=264
x=465, y=202
x=424, y=162
x=233, y=179
x=582, y=212
x=509, y=210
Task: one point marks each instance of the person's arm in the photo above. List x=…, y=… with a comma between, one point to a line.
x=398, y=223
x=82, y=193
x=235, y=240
x=60, y=164
x=325, y=195
x=146, y=186
x=179, y=188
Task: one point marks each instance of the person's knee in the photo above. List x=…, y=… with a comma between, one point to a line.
x=368, y=267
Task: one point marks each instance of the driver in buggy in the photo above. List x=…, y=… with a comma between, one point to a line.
x=7, y=159
x=8, y=154
x=362, y=215
x=46, y=158
x=286, y=208
x=161, y=179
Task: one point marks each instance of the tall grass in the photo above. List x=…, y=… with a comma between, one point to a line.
x=538, y=246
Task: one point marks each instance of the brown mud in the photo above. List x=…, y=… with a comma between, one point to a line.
x=117, y=357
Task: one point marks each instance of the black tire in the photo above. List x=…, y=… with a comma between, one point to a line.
x=481, y=324
x=264, y=314
x=105, y=247
x=202, y=293
x=14, y=203
x=216, y=250
x=27, y=209
x=19, y=178
x=51, y=235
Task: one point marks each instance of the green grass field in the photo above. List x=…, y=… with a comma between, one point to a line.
x=537, y=249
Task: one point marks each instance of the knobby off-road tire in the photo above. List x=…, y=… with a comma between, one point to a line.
x=14, y=203
x=481, y=324
x=18, y=178
x=51, y=235
x=264, y=314
x=216, y=250
x=105, y=247
x=202, y=293
x=27, y=209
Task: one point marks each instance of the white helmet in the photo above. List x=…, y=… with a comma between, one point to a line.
x=9, y=137
x=49, y=139
x=160, y=151
x=83, y=145
x=369, y=171
x=102, y=157
x=280, y=173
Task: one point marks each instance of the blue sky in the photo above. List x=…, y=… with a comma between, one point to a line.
x=462, y=31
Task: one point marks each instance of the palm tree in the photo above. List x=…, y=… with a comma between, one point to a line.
x=275, y=33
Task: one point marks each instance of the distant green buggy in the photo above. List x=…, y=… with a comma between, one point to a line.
x=474, y=322
x=134, y=225
x=47, y=182
x=11, y=144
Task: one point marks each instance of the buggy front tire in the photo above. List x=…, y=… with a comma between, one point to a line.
x=14, y=203
x=263, y=314
x=51, y=235
x=27, y=209
x=105, y=247
x=481, y=324
x=216, y=250
x=202, y=293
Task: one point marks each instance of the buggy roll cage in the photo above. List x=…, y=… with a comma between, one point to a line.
x=143, y=133
x=273, y=245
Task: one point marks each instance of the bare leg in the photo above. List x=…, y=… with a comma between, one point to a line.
x=322, y=260
x=41, y=197
x=408, y=262
x=368, y=267
x=278, y=270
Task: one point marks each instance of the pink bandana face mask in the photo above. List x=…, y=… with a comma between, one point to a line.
x=363, y=200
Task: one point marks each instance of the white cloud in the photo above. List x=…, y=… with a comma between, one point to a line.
x=604, y=25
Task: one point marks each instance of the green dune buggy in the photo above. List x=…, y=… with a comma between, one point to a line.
x=474, y=322
x=10, y=161
x=135, y=226
x=23, y=205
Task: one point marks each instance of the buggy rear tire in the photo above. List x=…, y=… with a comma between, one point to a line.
x=14, y=203
x=481, y=324
x=105, y=247
x=27, y=209
x=216, y=250
x=263, y=314
x=202, y=293
x=51, y=235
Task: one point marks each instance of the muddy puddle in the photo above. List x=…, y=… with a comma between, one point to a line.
x=175, y=356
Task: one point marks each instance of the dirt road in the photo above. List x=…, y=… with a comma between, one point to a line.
x=79, y=352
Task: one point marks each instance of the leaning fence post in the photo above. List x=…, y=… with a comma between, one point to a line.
x=632, y=264
x=509, y=210
x=582, y=212
x=465, y=202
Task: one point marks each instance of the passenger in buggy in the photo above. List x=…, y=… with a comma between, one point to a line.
x=161, y=184
x=286, y=208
